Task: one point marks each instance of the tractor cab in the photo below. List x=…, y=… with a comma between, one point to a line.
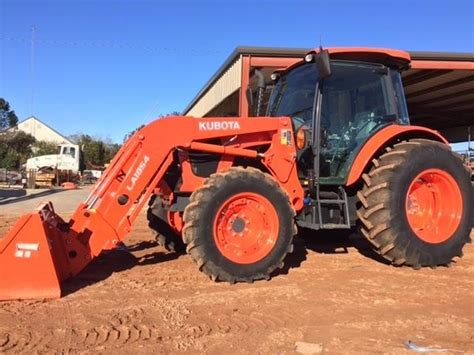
x=339, y=103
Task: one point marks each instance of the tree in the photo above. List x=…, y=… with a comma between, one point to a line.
x=15, y=149
x=8, y=117
x=172, y=113
x=111, y=151
x=96, y=152
x=44, y=148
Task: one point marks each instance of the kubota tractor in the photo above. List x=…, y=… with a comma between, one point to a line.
x=336, y=149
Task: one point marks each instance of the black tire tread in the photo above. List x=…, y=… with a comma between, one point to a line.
x=199, y=200
x=375, y=215
x=164, y=234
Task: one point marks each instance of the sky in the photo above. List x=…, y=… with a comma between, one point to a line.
x=104, y=67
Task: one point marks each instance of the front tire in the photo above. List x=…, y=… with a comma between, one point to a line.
x=239, y=226
x=158, y=221
x=416, y=203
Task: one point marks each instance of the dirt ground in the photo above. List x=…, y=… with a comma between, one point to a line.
x=334, y=296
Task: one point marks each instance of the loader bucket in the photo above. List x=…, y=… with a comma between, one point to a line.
x=32, y=255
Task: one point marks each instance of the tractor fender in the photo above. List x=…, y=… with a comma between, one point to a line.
x=383, y=138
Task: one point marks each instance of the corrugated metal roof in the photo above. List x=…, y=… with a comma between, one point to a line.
x=237, y=53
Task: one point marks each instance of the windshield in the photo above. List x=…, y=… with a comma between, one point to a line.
x=293, y=95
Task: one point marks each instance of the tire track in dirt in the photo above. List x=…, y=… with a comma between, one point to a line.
x=240, y=323
x=24, y=341
x=68, y=325
x=21, y=307
x=81, y=339
x=163, y=320
x=120, y=328
x=115, y=336
x=127, y=316
x=228, y=325
x=119, y=331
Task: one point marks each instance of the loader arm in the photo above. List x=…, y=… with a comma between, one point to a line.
x=42, y=250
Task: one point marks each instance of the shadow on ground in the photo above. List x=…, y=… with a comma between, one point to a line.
x=324, y=242
x=11, y=193
x=339, y=242
x=294, y=259
x=109, y=262
x=8, y=196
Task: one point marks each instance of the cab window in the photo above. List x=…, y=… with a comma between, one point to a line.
x=355, y=102
x=293, y=95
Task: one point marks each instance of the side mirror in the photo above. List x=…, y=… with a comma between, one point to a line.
x=324, y=63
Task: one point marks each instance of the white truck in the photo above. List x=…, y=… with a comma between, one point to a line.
x=54, y=169
x=68, y=158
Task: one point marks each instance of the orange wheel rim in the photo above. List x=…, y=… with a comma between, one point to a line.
x=246, y=228
x=175, y=220
x=434, y=206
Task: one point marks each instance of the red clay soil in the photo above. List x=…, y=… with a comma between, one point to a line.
x=336, y=297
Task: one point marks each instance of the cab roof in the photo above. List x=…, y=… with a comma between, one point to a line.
x=388, y=57
x=385, y=56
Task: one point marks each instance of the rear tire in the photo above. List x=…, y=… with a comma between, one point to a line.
x=416, y=203
x=166, y=236
x=239, y=226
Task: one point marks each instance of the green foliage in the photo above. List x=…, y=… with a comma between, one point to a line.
x=8, y=117
x=96, y=152
x=9, y=159
x=45, y=148
x=129, y=134
x=111, y=151
x=173, y=113
x=15, y=149
x=14, y=146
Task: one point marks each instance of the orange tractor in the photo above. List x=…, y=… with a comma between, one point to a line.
x=336, y=150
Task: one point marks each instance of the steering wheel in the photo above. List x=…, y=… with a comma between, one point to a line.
x=342, y=144
x=364, y=127
x=352, y=132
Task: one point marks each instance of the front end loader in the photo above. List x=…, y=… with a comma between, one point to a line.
x=336, y=150
x=42, y=250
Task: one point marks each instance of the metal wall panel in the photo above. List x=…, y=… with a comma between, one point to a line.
x=225, y=85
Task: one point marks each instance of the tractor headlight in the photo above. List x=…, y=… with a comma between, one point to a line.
x=301, y=137
x=308, y=58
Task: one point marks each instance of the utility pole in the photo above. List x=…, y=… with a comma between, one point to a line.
x=32, y=70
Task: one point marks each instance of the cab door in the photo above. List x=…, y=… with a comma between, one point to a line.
x=355, y=102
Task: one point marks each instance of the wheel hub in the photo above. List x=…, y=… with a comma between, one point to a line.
x=246, y=228
x=238, y=225
x=434, y=205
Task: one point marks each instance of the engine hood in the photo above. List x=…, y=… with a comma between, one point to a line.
x=43, y=160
